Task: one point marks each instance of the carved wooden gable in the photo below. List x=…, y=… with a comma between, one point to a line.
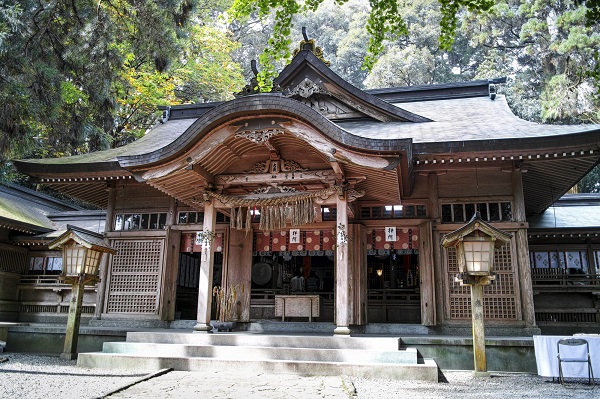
x=309, y=80
x=318, y=98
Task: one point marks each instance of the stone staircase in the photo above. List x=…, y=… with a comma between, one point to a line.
x=368, y=357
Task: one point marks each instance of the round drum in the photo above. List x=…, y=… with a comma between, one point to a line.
x=261, y=273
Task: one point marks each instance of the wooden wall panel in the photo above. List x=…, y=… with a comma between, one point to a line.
x=138, y=197
x=238, y=268
x=460, y=184
x=420, y=189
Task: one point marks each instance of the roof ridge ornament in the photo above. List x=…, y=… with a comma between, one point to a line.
x=309, y=44
x=252, y=87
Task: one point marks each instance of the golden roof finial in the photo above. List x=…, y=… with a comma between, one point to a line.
x=309, y=44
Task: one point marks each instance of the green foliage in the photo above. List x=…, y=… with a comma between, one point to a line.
x=79, y=76
x=207, y=70
x=591, y=182
x=546, y=50
x=385, y=22
x=406, y=66
x=450, y=10
x=593, y=12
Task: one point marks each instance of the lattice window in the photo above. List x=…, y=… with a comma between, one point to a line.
x=489, y=211
x=135, y=276
x=12, y=259
x=500, y=298
x=393, y=211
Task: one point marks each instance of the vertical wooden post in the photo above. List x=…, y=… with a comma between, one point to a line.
x=430, y=257
x=104, y=264
x=426, y=273
x=358, y=267
x=169, y=270
x=342, y=286
x=73, y=321
x=206, y=271
x=526, y=284
x=478, y=328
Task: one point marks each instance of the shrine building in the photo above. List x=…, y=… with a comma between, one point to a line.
x=321, y=178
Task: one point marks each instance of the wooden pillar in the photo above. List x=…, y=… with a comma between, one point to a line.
x=172, y=214
x=426, y=273
x=524, y=267
x=358, y=281
x=206, y=270
x=342, y=283
x=170, y=266
x=427, y=251
x=104, y=264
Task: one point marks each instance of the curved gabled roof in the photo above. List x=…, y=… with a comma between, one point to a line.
x=255, y=106
x=161, y=135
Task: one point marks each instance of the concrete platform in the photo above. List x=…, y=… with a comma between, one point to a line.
x=449, y=351
x=369, y=357
x=512, y=354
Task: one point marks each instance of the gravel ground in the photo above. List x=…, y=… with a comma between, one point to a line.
x=33, y=376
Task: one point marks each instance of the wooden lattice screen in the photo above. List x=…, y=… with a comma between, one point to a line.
x=13, y=259
x=135, y=276
x=500, y=298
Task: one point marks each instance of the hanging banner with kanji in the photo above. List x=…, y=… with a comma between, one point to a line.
x=294, y=240
x=393, y=239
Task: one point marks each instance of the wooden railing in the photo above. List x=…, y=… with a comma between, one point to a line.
x=568, y=316
x=395, y=294
x=44, y=280
x=558, y=279
x=272, y=292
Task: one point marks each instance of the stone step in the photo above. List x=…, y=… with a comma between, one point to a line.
x=355, y=356
x=368, y=357
x=266, y=340
x=425, y=371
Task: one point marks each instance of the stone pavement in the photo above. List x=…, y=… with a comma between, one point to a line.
x=30, y=376
x=230, y=384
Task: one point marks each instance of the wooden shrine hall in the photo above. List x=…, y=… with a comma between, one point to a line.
x=322, y=181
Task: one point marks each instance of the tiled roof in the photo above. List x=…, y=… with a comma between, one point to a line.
x=581, y=211
x=465, y=119
x=161, y=135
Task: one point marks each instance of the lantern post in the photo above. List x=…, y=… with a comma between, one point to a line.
x=82, y=252
x=475, y=243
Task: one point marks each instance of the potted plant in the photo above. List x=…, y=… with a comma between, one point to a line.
x=230, y=302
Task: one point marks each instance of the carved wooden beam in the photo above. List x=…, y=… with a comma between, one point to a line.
x=203, y=173
x=337, y=168
x=250, y=178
